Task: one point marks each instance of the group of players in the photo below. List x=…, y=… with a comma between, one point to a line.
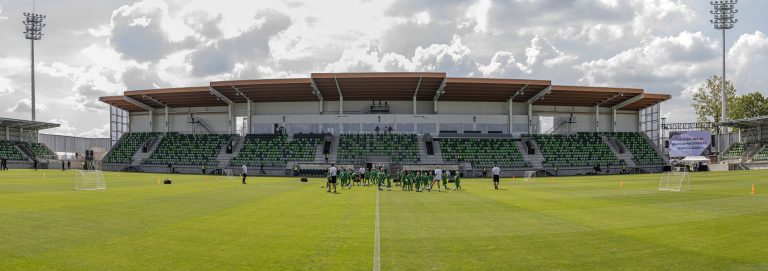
x=408, y=180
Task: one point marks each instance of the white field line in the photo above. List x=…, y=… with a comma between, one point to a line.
x=376, y=239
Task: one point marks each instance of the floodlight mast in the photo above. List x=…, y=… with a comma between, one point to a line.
x=33, y=30
x=723, y=18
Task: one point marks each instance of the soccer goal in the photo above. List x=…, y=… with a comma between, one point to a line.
x=675, y=181
x=90, y=180
x=529, y=176
x=226, y=172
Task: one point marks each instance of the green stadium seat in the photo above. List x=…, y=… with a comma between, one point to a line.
x=275, y=150
x=642, y=150
x=188, y=149
x=9, y=151
x=353, y=148
x=128, y=144
x=576, y=150
x=483, y=152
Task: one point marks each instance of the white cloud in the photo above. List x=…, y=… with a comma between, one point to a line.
x=747, y=60
x=2, y=18
x=25, y=106
x=11, y=67
x=99, y=132
x=479, y=14
x=662, y=59
x=540, y=55
x=64, y=129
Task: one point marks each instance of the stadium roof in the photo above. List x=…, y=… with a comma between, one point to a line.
x=747, y=123
x=27, y=124
x=385, y=86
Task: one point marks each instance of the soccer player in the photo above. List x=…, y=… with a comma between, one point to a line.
x=245, y=173
x=362, y=176
x=436, y=179
x=446, y=176
x=332, y=172
x=495, y=171
x=342, y=178
x=388, y=177
x=457, y=181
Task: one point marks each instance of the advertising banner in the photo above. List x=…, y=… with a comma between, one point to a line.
x=689, y=143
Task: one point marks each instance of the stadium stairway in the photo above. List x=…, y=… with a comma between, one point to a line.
x=24, y=148
x=754, y=149
x=319, y=155
x=223, y=157
x=620, y=151
x=333, y=154
x=435, y=158
x=140, y=156
x=536, y=159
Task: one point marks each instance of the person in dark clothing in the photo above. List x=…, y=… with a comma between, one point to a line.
x=62, y=166
x=69, y=165
x=261, y=168
x=202, y=169
x=34, y=164
x=3, y=163
x=170, y=168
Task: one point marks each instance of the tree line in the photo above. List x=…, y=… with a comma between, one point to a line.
x=707, y=102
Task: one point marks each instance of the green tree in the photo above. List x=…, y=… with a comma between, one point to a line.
x=707, y=100
x=750, y=105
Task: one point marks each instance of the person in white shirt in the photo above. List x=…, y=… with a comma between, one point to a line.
x=438, y=175
x=245, y=173
x=363, y=180
x=332, y=172
x=495, y=171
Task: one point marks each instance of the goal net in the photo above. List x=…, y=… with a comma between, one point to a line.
x=529, y=176
x=675, y=181
x=90, y=180
x=226, y=172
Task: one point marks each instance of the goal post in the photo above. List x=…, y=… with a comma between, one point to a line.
x=226, y=172
x=529, y=176
x=90, y=180
x=675, y=181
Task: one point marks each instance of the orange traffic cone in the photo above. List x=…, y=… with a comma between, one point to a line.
x=754, y=189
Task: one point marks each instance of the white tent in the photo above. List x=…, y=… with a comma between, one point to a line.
x=696, y=159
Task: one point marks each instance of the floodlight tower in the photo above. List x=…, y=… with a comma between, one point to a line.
x=723, y=18
x=33, y=30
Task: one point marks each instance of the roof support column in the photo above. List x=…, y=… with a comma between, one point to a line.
x=530, y=119
x=532, y=100
x=440, y=91
x=167, y=121
x=613, y=120
x=415, y=93
x=230, y=103
x=509, y=115
x=317, y=93
x=597, y=118
x=143, y=106
x=232, y=122
x=250, y=116
x=511, y=102
x=341, y=97
x=151, y=121
x=249, y=108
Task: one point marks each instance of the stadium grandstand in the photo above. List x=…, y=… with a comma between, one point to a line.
x=23, y=145
x=388, y=119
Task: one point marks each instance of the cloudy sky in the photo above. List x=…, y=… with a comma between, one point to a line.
x=95, y=48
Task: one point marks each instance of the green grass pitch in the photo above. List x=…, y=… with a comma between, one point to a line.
x=199, y=223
